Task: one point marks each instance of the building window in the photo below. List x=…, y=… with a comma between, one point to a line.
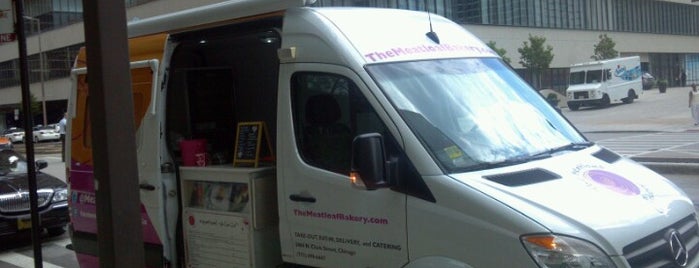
x=57, y=64
x=132, y=3
x=60, y=61
x=643, y=16
x=9, y=73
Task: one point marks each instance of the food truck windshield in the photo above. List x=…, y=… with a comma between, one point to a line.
x=474, y=113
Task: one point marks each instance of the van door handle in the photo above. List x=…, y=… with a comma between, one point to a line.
x=146, y=186
x=298, y=198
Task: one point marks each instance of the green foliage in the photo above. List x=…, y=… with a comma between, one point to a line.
x=553, y=99
x=536, y=56
x=604, y=49
x=501, y=51
x=35, y=105
x=662, y=85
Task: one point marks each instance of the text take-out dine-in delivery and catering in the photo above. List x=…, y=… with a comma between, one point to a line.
x=360, y=137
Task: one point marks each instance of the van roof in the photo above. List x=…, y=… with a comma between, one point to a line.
x=601, y=62
x=376, y=40
x=210, y=15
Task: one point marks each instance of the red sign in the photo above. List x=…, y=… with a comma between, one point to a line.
x=7, y=37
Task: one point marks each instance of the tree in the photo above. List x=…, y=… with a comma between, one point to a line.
x=605, y=48
x=501, y=51
x=536, y=57
x=34, y=105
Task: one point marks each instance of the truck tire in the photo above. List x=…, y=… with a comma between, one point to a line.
x=56, y=231
x=573, y=106
x=605, y=101
x=629, y=99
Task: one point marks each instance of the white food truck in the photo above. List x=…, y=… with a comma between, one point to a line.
x=600, y=83
x=273, y=133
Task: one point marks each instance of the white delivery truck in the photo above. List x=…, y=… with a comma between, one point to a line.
x=272, y=133
x=600, y=83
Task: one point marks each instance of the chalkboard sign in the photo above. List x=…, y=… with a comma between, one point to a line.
x=248, y=143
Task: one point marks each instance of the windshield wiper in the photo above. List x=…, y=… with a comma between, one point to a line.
x=575, y=146
x=504, y=163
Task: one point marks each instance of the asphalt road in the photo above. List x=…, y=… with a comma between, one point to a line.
x=652, y=112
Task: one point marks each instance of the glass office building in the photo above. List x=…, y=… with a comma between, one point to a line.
x=665, y=34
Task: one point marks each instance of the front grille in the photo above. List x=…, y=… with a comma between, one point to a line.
x=7, y=228
x=654, y=250
x=19, y=202
x=580, y=95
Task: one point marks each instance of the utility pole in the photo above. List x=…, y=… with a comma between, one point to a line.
x=113, y=135
x=41, y=66
x=28, y=137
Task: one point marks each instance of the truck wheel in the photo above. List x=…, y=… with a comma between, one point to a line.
x=573, y=106
x=605, y=101
x=630, y=97
x=56, y=231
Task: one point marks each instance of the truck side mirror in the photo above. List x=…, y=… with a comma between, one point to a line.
x=369, y=162
x=41, y=164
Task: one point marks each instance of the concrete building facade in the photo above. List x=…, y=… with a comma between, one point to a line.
x=665, y=34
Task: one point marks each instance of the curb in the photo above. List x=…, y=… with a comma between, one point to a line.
x=666, y=159
x=672, y=168
x=43, y=151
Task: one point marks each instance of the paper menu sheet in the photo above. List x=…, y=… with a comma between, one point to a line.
x=216, y=239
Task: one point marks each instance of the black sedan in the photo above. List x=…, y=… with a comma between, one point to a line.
x=15, y=215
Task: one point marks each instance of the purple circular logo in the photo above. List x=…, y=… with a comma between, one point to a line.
x=613, y=182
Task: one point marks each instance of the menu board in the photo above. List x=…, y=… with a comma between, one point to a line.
x=248, y=143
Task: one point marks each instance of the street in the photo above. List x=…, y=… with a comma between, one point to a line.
x=653, y=122
x=652, y=112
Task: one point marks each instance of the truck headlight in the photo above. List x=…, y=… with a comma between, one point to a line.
x=563, y=251
x=60, y=195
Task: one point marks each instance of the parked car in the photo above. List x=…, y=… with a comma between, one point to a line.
x=15, y=212
x=46, y=133
x=648, y=81
x=15, y=134
x=5, y=143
